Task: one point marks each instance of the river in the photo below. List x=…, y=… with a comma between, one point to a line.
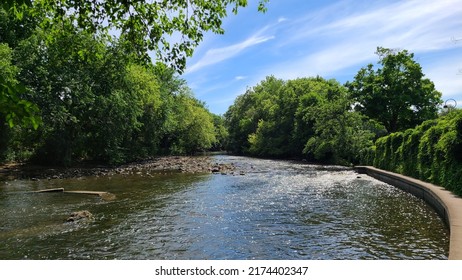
x=274, y=210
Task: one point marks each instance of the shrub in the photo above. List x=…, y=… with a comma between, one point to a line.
x=431, y=152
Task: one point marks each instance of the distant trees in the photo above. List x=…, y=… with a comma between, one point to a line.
x=307, y=117
x=324, y=121
x=397, y=95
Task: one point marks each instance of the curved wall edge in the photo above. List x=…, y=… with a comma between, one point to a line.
x=445, y=203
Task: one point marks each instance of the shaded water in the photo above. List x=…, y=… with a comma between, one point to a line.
x=277, y=210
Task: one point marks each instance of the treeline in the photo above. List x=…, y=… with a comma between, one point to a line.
x=306, y=117
x=431, y=151
x=322, y=120
x=388, y=117
x=96, y=100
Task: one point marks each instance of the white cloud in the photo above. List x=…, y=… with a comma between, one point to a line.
x=418, y=26
x=336, y=41
x=214, y=56
x=417, y=17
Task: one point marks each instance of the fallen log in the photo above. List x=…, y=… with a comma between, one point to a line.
x=103, y=195
x=50, y=190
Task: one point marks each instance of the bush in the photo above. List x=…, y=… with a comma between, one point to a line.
x=431, y=152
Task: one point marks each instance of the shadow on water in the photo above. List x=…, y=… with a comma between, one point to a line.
x=277, y=210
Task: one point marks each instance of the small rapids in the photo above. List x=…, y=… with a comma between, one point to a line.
x=269, y=210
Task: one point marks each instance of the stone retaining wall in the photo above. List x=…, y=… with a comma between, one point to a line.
x=446, y=204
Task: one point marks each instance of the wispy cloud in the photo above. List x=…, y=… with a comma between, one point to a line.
x=419, y=26
x=214, y=56
x=333, y=40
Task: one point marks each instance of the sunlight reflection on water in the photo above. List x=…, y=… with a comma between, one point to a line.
x=277, y=210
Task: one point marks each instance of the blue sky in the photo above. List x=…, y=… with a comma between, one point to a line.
x=333, y=39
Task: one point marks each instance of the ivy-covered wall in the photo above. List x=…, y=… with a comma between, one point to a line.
x=431, y=152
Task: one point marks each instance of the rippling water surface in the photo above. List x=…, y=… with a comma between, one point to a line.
x=277, y=210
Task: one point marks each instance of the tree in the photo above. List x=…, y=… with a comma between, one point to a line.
x=397, y=95
x=305, y=117
x=147, y=25
x=243, y=117
x=14, y=109
x=221, y=133
x=90, y=106
x=340, y=134
x=192, y=127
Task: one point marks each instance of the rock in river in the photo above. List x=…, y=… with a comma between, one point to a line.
x=80, y=215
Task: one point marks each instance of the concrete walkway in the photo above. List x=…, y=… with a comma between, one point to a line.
x=446, y=204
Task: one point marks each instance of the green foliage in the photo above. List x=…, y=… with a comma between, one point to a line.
x=97, y=103
x=221, y=133
x=397, y=95
x=144, y=26
x=147, y=25
x=193, y=126
x=307, y=117
x=341, y=135
x=431, y=151
x=13, y=109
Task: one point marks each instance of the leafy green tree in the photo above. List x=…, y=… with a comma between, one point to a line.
x=305, y=117
x=14, y=109
x=146, y=87
x=14, y=29
x=311, y=93
x=273, y=132
x=89, y=109
x=147, y=25
x=340, y=135
x=397, y=95
x=221, y=133
x=243, y=117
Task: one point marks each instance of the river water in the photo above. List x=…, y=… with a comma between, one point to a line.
x=276, y=210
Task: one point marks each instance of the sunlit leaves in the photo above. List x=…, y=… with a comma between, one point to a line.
x=172, y=29
x=305, y=117
x=397, y=94
x=15, y=110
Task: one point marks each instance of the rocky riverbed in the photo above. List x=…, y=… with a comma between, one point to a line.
x=181, y=164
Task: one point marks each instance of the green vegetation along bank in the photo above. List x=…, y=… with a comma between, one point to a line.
x=390, y=117
x=92, y=98
x=322, y=120
x=70, y=92
x=431, y=152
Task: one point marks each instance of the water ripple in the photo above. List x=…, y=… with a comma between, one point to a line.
x=278, y=210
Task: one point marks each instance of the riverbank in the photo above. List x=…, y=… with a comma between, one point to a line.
x=181, y=164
